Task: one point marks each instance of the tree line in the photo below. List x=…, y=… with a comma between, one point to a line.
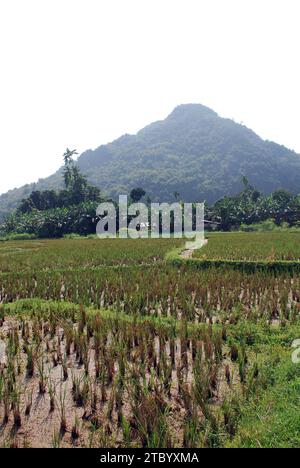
x=251, y=207
x=51, y=213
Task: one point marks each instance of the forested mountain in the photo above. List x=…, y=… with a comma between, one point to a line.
x=193, y=152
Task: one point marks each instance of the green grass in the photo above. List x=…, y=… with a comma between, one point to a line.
x=16, y=237
x=271, y=247
x=272, y=418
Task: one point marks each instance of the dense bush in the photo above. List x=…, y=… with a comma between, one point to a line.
x=80, y=219
x=264, y=226
x=14, y=236
x=257, y=211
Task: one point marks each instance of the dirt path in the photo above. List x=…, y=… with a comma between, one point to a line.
x=189, y=253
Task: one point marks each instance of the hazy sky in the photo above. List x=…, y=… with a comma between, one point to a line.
x=80, y=73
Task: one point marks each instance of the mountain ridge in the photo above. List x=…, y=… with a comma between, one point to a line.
x=193, y=151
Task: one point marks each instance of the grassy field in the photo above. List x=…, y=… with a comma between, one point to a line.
x=80, y=253
x=252, y=246
x=112, y=346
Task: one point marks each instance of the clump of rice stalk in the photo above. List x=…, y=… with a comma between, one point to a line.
x=42, y=377
x=52, y=393
x=64, y=364
x=234, y=353
x=16, y=400
x=151, y=417
x=75, y=433
x=30, y=360
x=80, y=390
x=191, y=431
x=6, y=404
x=231, y=411
x=28, y=404
x=62, y=409
x=227, y=374
x=126, y=431
x=2, y=316
x=69, y=336
x=14, y=442
x=56, y=439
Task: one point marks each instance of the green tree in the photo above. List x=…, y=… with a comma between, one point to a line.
x=137, y=194
x=69, y=164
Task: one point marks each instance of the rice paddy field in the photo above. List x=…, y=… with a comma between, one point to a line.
x=81, y=253
x=105, y=343
x=255, y=246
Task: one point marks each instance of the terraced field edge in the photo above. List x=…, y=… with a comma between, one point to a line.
x=247, y=266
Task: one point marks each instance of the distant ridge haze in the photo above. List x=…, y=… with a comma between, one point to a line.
x=193, y=152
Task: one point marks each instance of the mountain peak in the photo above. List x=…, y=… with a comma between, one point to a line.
x=192, y=110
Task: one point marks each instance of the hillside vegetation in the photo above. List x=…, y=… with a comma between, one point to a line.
x=193, y=152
